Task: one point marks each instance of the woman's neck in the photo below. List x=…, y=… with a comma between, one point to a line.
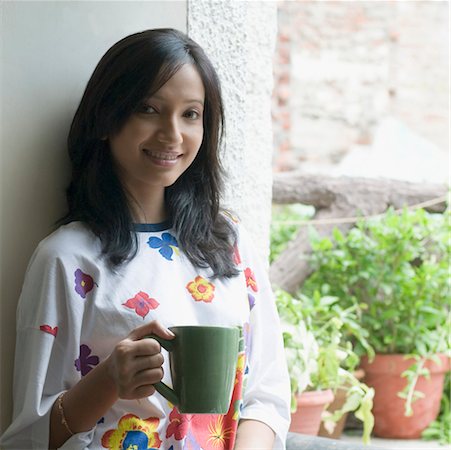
x=148, y=208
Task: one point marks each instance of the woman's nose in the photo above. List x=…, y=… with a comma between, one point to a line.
x=170, y=132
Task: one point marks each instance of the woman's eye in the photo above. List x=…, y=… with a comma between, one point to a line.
x=147, y=109
x=192, y=114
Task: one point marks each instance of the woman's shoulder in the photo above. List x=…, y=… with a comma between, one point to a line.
x=243, y=238
x=235, y=221
x=69, y=240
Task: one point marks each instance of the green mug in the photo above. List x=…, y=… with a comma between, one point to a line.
x=203, y=363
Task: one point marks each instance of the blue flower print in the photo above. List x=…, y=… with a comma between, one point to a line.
x=136, y=440
x=167, y=245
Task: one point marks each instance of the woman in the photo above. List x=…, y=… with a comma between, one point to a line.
x=144, y=246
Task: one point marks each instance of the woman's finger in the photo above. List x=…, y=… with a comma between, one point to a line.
x=148, y=362
x=145, y=347
x=153, y=327
x=148, y=376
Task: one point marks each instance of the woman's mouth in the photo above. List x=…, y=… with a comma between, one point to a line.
x=165, y=159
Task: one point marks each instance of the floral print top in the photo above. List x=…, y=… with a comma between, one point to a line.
x=73, y=310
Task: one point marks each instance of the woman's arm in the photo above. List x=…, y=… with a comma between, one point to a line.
x=83, y=405
x=266, y=396
x=129, y=372
x=253, y=434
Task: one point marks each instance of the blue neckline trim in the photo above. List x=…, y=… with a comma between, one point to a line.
x=146, y=227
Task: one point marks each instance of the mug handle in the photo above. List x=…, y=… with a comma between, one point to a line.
x=161, y=387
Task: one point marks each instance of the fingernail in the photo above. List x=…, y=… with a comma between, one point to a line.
x=170, y=332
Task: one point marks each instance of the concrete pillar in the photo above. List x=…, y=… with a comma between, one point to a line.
x=239, y=37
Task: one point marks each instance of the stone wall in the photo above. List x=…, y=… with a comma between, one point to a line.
x=340, y=67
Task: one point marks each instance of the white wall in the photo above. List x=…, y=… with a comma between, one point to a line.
x=49, y=50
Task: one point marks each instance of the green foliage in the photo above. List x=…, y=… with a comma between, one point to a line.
x=319, y=357
x=398, y=267
x=285, y=225
x=440, y=429
x=395, y=272
x=392, y=275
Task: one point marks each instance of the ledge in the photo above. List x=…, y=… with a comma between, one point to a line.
x=297, y=441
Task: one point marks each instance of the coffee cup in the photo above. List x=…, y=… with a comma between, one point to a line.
x=203, y=363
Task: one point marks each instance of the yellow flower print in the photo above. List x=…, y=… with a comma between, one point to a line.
x=240, y=366
x=201, y=290
x=133, y=433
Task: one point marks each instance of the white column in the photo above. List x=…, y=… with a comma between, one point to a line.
x=239, y=37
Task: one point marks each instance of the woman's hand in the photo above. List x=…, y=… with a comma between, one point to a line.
x=135, y=364
x=129, y=372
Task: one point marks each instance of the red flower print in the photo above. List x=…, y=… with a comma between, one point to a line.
x=207, y=431
x=48, y=329
x=201, y=290
x=179, y=425
x=211, y=432
x=141, y=303
x=83, y=283
x=250, y=279
x=236, y=256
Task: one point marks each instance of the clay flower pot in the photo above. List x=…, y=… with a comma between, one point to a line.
x=384, y=375
x=311, y=404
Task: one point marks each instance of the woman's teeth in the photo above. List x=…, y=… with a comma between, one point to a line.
x=161, y=155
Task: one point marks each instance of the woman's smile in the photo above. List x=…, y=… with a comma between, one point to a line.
x=162, y=158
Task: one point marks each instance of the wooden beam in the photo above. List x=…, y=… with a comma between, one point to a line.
x=339, y=197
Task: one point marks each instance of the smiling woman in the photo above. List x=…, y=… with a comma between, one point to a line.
x=170, y=103
x=145, y=246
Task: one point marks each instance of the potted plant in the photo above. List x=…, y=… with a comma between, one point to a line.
x=395, y=271
x=320, y=362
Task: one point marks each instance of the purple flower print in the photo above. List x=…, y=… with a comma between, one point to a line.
x=251, y=299
x=83, y=283
x=85, y=362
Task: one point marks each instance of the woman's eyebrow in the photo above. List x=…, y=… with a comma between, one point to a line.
x=195, y=100
x=189, y=100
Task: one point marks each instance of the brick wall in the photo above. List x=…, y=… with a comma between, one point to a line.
x=340, y=67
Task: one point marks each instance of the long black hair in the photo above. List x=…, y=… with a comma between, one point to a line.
x=130, y=71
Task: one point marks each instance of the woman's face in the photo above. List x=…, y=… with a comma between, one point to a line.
x=160, y=141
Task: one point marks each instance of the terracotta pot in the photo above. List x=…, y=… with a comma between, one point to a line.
x=339, y=401
x=311, y=404
x=384, y=375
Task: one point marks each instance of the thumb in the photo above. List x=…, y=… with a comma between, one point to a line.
x=153, y=327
